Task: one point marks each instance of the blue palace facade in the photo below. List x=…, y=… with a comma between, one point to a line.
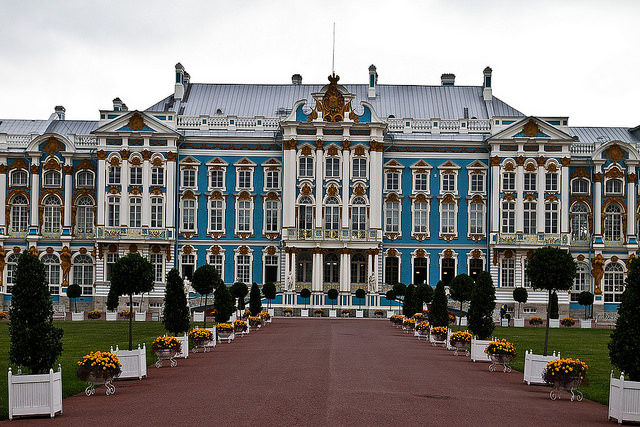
x=320, y=186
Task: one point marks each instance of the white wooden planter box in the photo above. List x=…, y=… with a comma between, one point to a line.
x=198, y=316
x=534, y=365
x=134, y=362
x=304, y=312
x=434, y=341
x=518, y=323
x=449, y=346
x=624, y=399
x=141, y=316
x=504, y=323
x=477, y=350
x=228, y=338
x=463, y=321
x=39, y=394
x=271, y=311
x=585, y=324
x=333, y=313
x=184, y=342
x=77, y=317
x=389, y=314
x=212, y=344
x=360, y=313
x=554, y=323
x=111, y=316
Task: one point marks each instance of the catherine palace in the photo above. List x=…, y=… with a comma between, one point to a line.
x=319, y=186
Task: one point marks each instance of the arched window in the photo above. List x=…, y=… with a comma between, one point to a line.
x=613, y=186
x=392, y=216
x=613, y=223
x=19, y=213
x=85, y=179
x=52, y=272
x=613, y=282
x=19, y=178
x=359, y=214
x=305, y=213
x=579, y=222
x=580, y=186
x=305, y=268
x=331, y=268
x=52, y=179
x=84, y=215
x=52, y=215
x=332, y=215
x=358, y=269
x=12, y=264
x=581, y=281
x=83, y=273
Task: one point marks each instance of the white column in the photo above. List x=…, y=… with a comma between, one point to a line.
x=369, y=265
x=171, y=193
x=376, y=269
x=101, y=189
x=631, y=204
x=316, y=284
x=346, y=172
x=35, y=193
x=68, y=191
x=495, y=194
x=597, y=204
x=564, y=197
x=287, y=265
x=124, y=199
x=520, y=199
x=289, y=175
x=345, y=272
x=293, y=268
x=375, y=182
x=319, y=172
x=540, y=205
x=3, y=192
x=146, y=183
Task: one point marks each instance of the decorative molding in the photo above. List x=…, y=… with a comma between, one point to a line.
x=566, y=161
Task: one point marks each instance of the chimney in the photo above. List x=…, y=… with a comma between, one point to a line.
x=373, y=81
x=187, y=77
x=448, y=79
x=59, y=111
x=179, y=89
x=486, y=85
x=117, y=104
x=466, y=112
x=296, y=79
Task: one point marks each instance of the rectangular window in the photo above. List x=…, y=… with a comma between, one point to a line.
x=332, y=217
x=508, y=217
x=113, y=211
x=392, y=181
x=216, y=179
x=244, y=179
x=19, y=178
x=135, y=212
x=421, y=182
x=272, y=216
x=272, y=180
x=158, y=267
x=421, y=217
x=359, y=167
x=508, y=181
x=448, y=218
x=114, y=175
x=477, y=183
x=306, y=167
x=332, y=167
x=551, y=181
x=188, y=215
x=157, y=210
x=135, y=177
x=216, y=212
x=243, y=269
x=391, y=270
x=551, y=218
x=392, y=217
x=188, y=265
x=448, y=182
x=270, y=269
x=526, y=281
x=112, y=258
x=188, y=178
x=217, y=262
x=157, y=176
x=530, y=216
x=508, y=273
x=244, y=215
x=85, y=179
x=529, y=182
x=476, y=218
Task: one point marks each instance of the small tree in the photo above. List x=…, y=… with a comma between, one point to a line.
x=130, y=275
x=255, y=302
x=585, y=299
x=481, y=306
x=409, y=303
x=305, y=294
x=35, y=342
x=439, y=314
x=73, y=293
x=269, y=291
x=204, y=280
x=390, y=296
x=360, y=293
x=551, y=269
x=624, y=346
x=332, y=294
x=175, y=313
x=460, y=289
x=223, y=302
x=520, y=295
x=238, y=291
x=553, y=306
x=424, y=295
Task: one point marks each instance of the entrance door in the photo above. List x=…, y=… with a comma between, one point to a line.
x=448, y=270
x=420, y=271
x=475, y=267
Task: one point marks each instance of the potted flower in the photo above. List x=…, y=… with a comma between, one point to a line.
x=94, y=314
x=255, y=321
x=288, y=312
x=565, y=374
x=200, y=337
x=567, y=322
x=345, y=312
x=452, y=319
x=265, y=317
x=97, y=368
x=125, y=314
x=422, y=329
x=3, y=315
x=318, y=312
x=239, y=326
x=501, y=352
x=418, y=317
x=439, y=335
x=225, y=331
x=408, y=324
x=246, y=314
x=166, y=348
x=379, y=313
x=535, y=321
x=460, y=340
x=397, y=320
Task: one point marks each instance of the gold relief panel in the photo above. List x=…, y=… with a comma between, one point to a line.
x=508, y=253
x=135, y=161
x=631, y=178
x=530, y=129
x=290, y=144
x=155, y=249
x=157, y=161
x=101, y=154
x=376, y=146
x=52, y=146
x=124, y=154
x=52, y=164
x=188, y=194
x=580, y=173
x=136, y=122
x=520, y=160
x=495, y=161
x=565, y=161
x=597, y=176
x=359, y=151
x=18, y=164
x=172, y=157
x=420, y=253
x=319, y=144
x=509, y=167
x=187, y=250
x=476, y=253
x=346, y=144
x=306, y=150
x=146, y=154
x=530, y=167
x=243, y=250
x=614, y=153
x=392, y=253
x=156, y=191
x=552, y=167
x=68, y=170
x=541, y=160
x=114, y=161
x=614, y=173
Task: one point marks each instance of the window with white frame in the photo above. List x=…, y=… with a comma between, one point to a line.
x=508, y=216
x=245, y=179
x=216, y=178
x=188, y=177
x=12, y=265
x=421, y=181
x=52, y=272
x=216, y=215
x=52, y=216
x=84, y=214
x=551, y=214
x=508, y=181
x=113, y=178
x=332, y=214
x=187, y=265
x=111, y=259
x=272, y=180
x=448, y=182
x=392, y=181
x=135, y=211
x=85, y=179
x=83, y=273
x=305, y=166
x=530, y=217
x=158, y=266
x=19, y=178
x=526, y=281
x=391, y=270
x=332, y=167
x=270, y=269
x=579, y=222
x=135, y=175
x=157, y=176
x=420, y=217
x=580, y=186
x=52, y=179
x=614, y=186
x=613, y=282
x=359, y=214
x=448, y=218
x=476, y=218
x=271, y=216
x=477, y=183
x=305, y=213
x=217, y=262
x=157, y=212
x=580, y=281
x=551, y=181
x=188, y=213
x=613, y=223
x=508, y=273
x=244, y=209
x=113, y=211
x=530, y=181
x=243, y=269
x=359, y=167
x=19, y=213
x=392, y=217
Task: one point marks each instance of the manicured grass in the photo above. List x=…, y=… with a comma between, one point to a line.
x=588, y=345
x=79, y=339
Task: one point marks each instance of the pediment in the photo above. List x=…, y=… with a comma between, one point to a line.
x=190, y=161
x=244, y=162
x=477, y=165
x=135, y=121
x=393, y=164
x=217, y=162
x=532, y=127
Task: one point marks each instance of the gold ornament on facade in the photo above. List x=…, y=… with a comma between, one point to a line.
x=420, y=198
x=306, y=190
x=113, y=190
x=420, y=253
x=49, y=250
x=114, y=161
x=333, y=105
x=359, y=190
x=392, y=253
x=376, y=146
x=332, y=151
x=332, y=191
x=171, y=156
x=18, y=164
x=531, y=129
x=552, y=167
x=146, y=154
x=271, y=250
x=68, y=170
x=508, y=253
x=65, y=265
x=495, y=161
x=319, y=144
x=135, y=160
x=133, y=248
x=614, y=259
x=135, y=191
x=136, y=122
x=476, y=253
x=580, y=173
x=565, y=161
x=187, y=250
x=306, y=150
x=597, y=272
x=189, y=194
x=614, y=153
x=448, y=198
x=215, y=250
x=359, y=151
x=52, y=164
x=541, y=160
x=520, y=160
x=448, y=253
x=155, y=249
x=33, y=251
x=157, y=161
x=82, y=251
x=530, y=167
x=243, y=250
x=35, y=169
x=101, y=154
x=346, y=144
x=580, y=257
x=509, y=197
x=290, y=144
x=168, y=252
x=631, y=178
x=597, y=176
x=551, y=198
x=113, y=248
x=156, y=191
x=614, y=173
x=509, y=167
x=125, y=154
x=630, y=260
x=52, y=146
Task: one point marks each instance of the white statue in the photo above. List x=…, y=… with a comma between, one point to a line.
x=372, y=283
x=289, y=285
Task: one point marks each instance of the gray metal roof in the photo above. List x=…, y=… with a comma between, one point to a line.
x=591, y=134
x=72, y=127
x=401, y=101
x=23, y=127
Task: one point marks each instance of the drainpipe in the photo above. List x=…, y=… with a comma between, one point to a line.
x=489, y=208
x=176, y=216
x=593, y=220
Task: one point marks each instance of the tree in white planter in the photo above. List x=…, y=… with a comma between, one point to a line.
x=73, y=293
x=461, y=287
x=520, y=295
x=305, y=294
x=585, y=299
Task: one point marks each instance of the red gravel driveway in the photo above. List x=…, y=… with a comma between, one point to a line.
x=327, y=372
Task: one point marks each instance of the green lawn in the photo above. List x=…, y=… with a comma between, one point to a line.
x=588, y=345
x=79, y=339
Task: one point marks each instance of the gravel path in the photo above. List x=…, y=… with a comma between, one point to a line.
x=327, y=372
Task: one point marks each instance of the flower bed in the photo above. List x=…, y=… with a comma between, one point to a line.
x=567, y=321
x=439, y=331
x=239, y=325
x=125, y=314
x=225, y=327
x=99, y=367
x=379, y=312
x=288, y=311
x=535, y=321
x=397, y=319
x=565, y=374
x=94, y=314
x=200, y=336
x=318, y=312
x=418, y=317
x=3, y=315
x=345, y=312
x=408, y=324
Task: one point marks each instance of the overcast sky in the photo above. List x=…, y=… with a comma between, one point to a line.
x=575, y=58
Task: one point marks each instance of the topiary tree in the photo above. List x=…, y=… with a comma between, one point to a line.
x=481, y=306
x=175, y=313
x=73, y=293
x=423, y=295
x=360, y=293
x=223, y=302
x=585, y=299
x=551, y=269
x=439, y=314
x=460, y=289
x=35, y=342
x=130, y=275
x=520, y=295
x=624, y=346
x=332, y=294
x=269, y=291
x=553, y=306
x=239, y=291
x=305, y=294
x=255, y=302
x=409, y=301
x=390, y=296
x=204, y=280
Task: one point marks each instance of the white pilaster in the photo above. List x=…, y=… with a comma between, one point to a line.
x=171, y=193
x=597, y=204
x=35, y=195
x=319, y=172
x=540, y=204
x=68, y=191
x=631, y=203
x=495, y=194
x=146, y=183
x=3, y=192
x=293, y=269
x=375, y=193
x=124, y=199
x=346, y=172
x=102, y=176
x=345, y=272
x=520, y=199
x=289, y=174
x=316, y=284
x=564, y=199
